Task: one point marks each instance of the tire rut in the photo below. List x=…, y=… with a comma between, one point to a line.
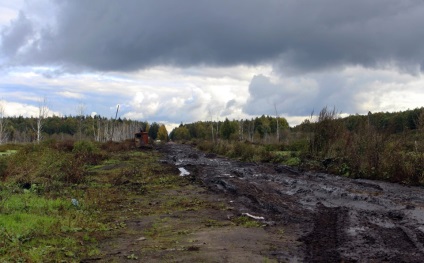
x=327, y=236
x=336, y=219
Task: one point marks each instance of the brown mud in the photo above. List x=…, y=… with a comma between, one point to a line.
x=330, y=218
x=301, y=216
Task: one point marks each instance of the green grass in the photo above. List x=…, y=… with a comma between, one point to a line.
x=286, y=157
x=8, y=152
x=22, y=223
x=34, y=228
x=246, y=221
x=31, y=203
x=40, y=224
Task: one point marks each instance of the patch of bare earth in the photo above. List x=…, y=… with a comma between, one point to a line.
x=182, y=221
x=325, y=218
x=300, y=216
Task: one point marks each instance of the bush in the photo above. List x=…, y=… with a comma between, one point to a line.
x=222, y=148
x=117, y=146
x=293, y=161
x=299, y=145
x=65, y=145
x=88, y=152
x=3, y=167
x=326, y=130
x=51, y=163
x=85, y=147
x=244, y=151
x=34, y=164
x=206, y=146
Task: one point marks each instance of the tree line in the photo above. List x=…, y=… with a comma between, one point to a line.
x=260, y=129
x=383, y=145
x=383, y=122
x=97, y=128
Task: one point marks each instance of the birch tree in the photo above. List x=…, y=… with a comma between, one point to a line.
x=80, y=115
x=278, y=128
x=42, y=114
x=3, y=135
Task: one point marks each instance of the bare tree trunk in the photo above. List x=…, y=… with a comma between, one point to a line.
x=99, y=129
x=94, y=129
x=80, y=113
x=241, y=130
x=42, y=114
x=3, y=135
x=251, y=130
x=217, y=130
x=278, y=130
x=106, y=133
x=113, y=122
x=213, y=138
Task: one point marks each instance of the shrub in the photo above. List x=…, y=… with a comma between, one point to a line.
x=222, y=148
x=325, y=131
x=3, y=167
x=261, y=154
x=34, y=164
x=65, y=145
x=206, y=146
x=242, y=150
x=117, y=146
x=299, y=145
x=85, y=147
x=51, y=164
x=293, y=161
x=87, y=152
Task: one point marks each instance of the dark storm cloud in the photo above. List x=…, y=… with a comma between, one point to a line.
x=16, y=35
x=229, y=108
x=295, y=36
x=301, y=96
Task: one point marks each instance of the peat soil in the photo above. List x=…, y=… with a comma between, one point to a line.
x=325, y=218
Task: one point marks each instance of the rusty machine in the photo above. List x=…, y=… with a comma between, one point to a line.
x=141, y=139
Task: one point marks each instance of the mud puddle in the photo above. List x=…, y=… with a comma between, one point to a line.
x=334, y=219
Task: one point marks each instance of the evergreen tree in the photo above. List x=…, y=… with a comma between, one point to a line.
x=227, y=129
x=153, y=131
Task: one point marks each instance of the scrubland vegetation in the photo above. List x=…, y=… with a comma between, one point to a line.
x=384, y=146
x=57, y=196
x=64, y=201
x=45, y=213
x=92, y=128
x=387, y=146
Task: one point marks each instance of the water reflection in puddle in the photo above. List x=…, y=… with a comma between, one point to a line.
x=183, y=171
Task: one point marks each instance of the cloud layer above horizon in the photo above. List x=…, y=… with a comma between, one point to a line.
x=174, y=61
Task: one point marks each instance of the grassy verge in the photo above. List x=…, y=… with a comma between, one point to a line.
x=245, y=151
x=45, y=214
x=166, y=207
x=35, y=228
x=67, y=202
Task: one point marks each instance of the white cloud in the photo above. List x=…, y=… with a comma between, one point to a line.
x=352, y=90
x=9, y=10
x=162, y=94
x=6, y=14
x=69, y=94
x=170, y=95
x=25, y=110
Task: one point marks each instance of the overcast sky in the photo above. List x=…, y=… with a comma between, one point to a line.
x=182, y=61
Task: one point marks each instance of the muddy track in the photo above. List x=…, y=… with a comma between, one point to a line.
x=336, y=219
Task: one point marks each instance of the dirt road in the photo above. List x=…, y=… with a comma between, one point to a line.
x=328, y=218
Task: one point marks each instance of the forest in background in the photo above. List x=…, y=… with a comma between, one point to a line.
x=268, y=129
x=97, y=128
x=385, y=146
